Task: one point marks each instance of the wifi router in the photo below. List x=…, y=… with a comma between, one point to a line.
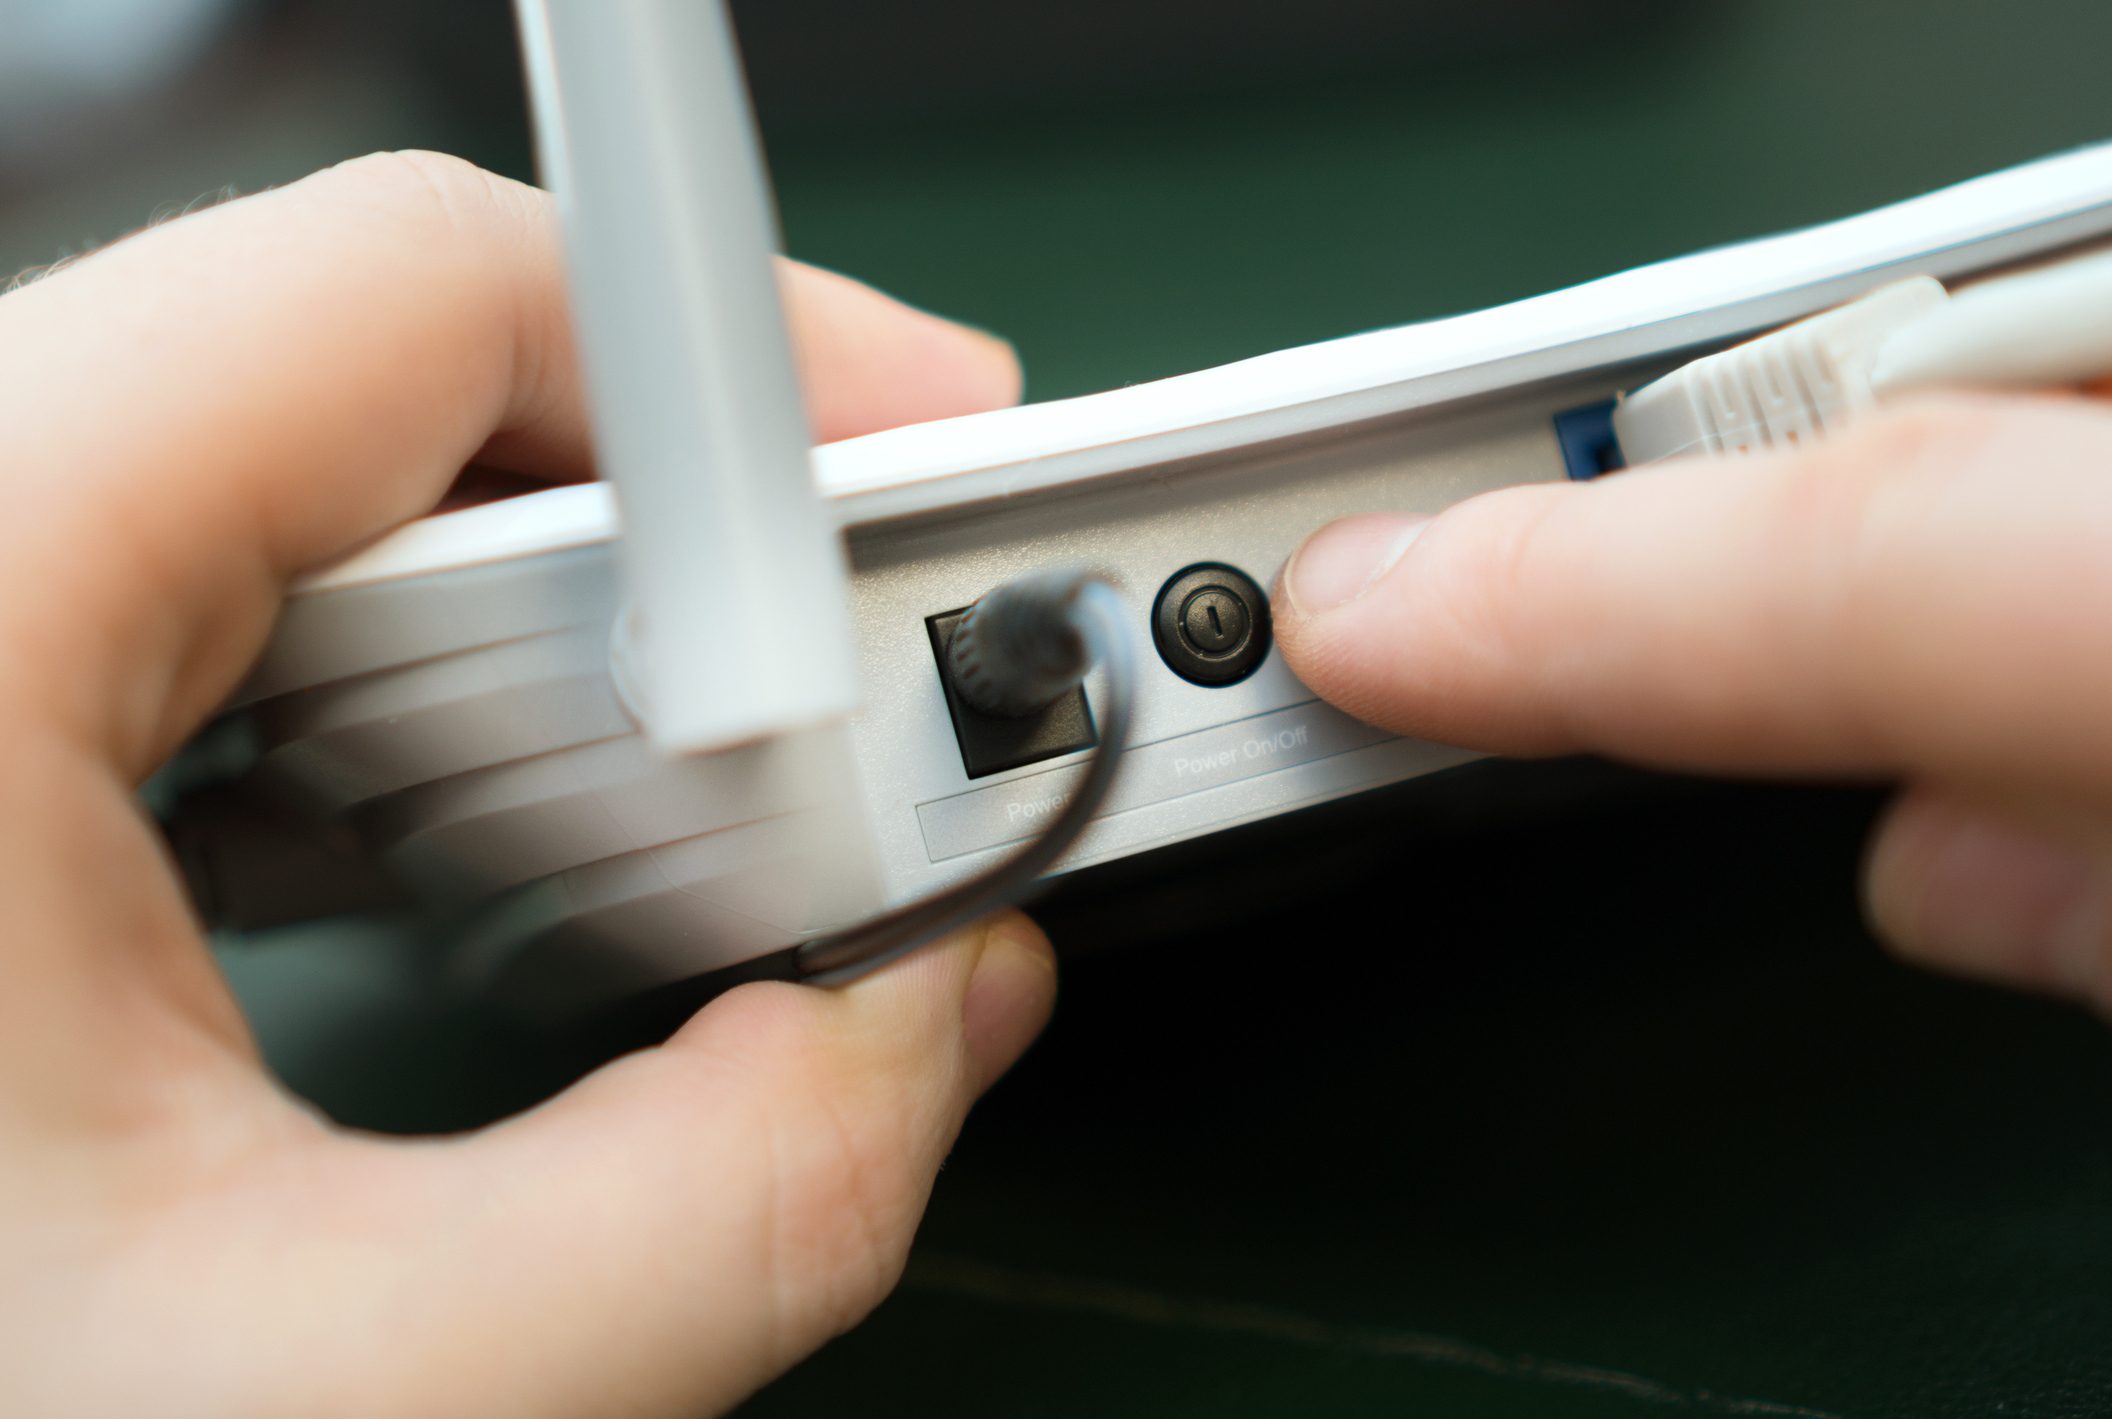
x=462, y=695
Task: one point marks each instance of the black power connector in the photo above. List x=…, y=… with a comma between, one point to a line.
x=991, y=743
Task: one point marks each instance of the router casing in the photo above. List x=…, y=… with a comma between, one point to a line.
x=447, y=693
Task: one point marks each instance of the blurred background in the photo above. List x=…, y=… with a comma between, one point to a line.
x=1551, y=1090
x=1127, y=188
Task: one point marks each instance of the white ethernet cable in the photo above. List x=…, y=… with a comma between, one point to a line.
x=2050, y=325
x=2046, y=326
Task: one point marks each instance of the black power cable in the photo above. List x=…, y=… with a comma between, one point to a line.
x=1027, y=642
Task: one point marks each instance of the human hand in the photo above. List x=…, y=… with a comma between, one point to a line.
x=1923, y=598
x=189, y=419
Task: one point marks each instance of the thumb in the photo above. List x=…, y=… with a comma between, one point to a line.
x=679, y=1228
x=2019, y=892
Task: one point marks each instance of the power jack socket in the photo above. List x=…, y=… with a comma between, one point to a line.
x=991, y=744
x=1211, y=624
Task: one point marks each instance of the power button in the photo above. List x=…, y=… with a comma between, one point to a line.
x=1211, y=624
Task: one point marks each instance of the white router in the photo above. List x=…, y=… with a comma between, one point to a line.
x=695, y=716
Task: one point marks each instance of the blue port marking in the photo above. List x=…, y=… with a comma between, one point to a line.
x=1588, y=445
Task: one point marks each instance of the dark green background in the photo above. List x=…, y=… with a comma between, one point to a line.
x=1122, y=245
x=1586, y=1105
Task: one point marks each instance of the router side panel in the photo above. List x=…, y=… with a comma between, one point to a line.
x=335, y=635
x=354, y=740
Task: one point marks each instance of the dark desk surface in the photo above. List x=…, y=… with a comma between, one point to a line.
x=1617, y=1113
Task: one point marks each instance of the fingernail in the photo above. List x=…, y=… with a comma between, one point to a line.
x=1982, y=897
x=1009, y=996
x=1345, y=559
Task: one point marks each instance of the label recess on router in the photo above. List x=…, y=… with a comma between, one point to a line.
x=1151, y=773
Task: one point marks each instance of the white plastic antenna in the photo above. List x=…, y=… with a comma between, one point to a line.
x=739, y=621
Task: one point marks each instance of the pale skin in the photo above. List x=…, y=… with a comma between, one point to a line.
x=189, y=418
x=195, y=415
x=1920, y=599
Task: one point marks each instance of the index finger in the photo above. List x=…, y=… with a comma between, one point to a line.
x=1925, y=593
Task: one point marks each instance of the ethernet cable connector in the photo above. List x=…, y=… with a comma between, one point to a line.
x=1777, y=391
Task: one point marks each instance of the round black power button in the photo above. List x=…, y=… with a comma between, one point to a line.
x=1211, y=624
